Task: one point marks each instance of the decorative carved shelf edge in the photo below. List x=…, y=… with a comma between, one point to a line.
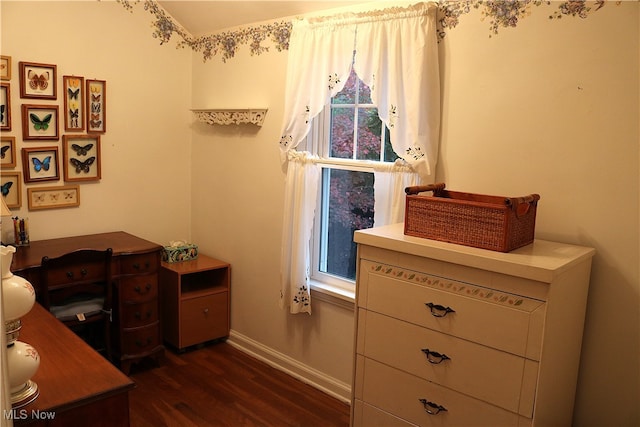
x=231, y=116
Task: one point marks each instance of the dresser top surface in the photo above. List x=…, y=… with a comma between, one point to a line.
x=542, y=260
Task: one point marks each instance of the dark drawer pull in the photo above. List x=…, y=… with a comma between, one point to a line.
x=147, y=288
x=136, y=266
x=141, y=343
x=434, y=357
x=139, y=316
x=70, y=274
x=432, y=408
x=83, y=272
x=439, y=311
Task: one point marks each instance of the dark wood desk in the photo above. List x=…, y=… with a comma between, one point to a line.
x=77, y=385
x=136, y=321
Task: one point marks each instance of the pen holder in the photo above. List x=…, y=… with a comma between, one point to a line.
x=21, y=231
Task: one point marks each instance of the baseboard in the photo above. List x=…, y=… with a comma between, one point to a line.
x=284, y=363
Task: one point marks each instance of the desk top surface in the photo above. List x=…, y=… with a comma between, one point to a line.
x=120, y=241
x=71, y=373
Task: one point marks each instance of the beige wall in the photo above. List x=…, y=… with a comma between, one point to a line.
x=145, y=185
x=548, y=107
x=552, y=107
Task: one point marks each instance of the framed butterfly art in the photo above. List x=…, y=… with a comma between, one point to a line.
x=81, y=158
x=74, y=110
x=7, y=152
x=40, y=164
x=96, y=106
x=40, y=122
x=11, y=185
x=53, y=197
x=5, y=106
x=5, y=67
x=37, y=80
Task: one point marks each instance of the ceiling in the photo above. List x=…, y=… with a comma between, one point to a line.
x=209, y=16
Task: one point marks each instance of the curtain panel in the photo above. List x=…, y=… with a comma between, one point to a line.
x=394, y=51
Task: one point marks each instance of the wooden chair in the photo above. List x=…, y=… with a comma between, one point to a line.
x=77, y=289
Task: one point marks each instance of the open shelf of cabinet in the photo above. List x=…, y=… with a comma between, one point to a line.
x=195, y=299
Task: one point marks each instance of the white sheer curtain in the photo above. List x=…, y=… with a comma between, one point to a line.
x=390, y=180
x=396, y=56
x=301, y=189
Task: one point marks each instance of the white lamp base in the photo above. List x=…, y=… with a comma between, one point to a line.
x=27, y=394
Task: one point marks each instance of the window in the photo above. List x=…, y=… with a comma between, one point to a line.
x=348, y=135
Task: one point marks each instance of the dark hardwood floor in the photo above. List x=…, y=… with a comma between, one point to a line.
x=218, y=385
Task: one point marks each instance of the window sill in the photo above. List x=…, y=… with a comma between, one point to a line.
x=333, y=295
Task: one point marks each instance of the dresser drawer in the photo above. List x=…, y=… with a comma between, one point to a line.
x=494, y=376
x=504, y=321
x=138, y=288
x=139, y=264
x=398, y=393
x=139, y=314
x=365, y=415
x=141, y=340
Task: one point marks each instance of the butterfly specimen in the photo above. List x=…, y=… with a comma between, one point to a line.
x=81, y=151
x=2, y=107
x=68, y=195
x=4, y=150
x=95, y=108
x=5, y=188
x=40, y=124
x=82, y=166
x=73, y=94
x=95, y=124
x=39, y=165
x=39, y=197
x=38, y=81
x=95, y=98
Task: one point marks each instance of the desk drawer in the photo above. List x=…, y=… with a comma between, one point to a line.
x=139, y=264
x=139, y=288
x=139, y=314
x=507, y=322
x=397, y=392
x=494, y=376
x=141, y=340
x=86, y=272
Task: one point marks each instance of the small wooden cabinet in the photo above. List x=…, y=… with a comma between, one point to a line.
x=195, y=298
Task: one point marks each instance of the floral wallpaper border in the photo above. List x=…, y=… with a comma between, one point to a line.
x=499, y=13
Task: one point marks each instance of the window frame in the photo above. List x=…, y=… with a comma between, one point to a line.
x=317, y=141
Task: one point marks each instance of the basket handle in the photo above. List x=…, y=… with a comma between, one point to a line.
x=421, y=188
x=521, y=205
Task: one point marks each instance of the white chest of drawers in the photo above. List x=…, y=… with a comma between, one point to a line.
x=448, y=335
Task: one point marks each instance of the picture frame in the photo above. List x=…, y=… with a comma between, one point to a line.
x=40, y=164
x=38, y=80
x=81, y=158
x=5, y=106
x=12, y=189
x=74, y=102
x=40, y=122
x=7, y=152
x=5, y=67
x=64, y=196
x=96, y=93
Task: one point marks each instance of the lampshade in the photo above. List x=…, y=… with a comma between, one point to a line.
x=4, y=209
